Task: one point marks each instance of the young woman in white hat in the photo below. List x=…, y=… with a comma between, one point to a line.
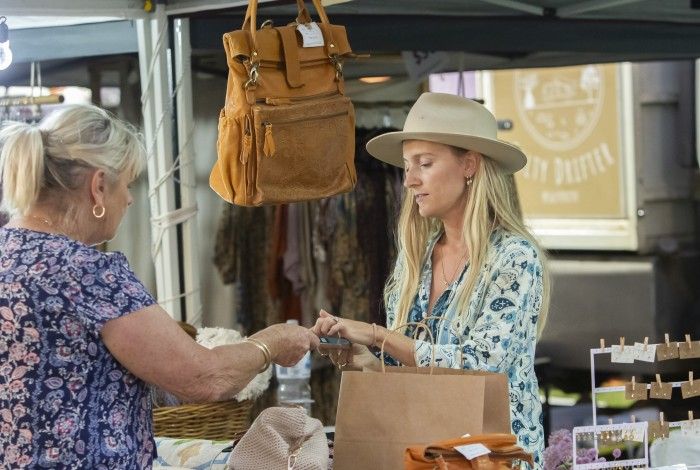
x=464, y=256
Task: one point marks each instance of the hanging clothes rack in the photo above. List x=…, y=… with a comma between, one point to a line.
x=9, y=101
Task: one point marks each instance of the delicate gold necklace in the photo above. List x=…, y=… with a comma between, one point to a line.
x=460, y=264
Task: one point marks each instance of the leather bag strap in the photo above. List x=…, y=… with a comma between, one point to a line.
x=251, y=20
x=288, y=36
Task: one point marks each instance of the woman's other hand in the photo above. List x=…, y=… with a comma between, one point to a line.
x=288, y=343
x=362, y=358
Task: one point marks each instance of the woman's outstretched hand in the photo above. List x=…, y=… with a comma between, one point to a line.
x=359, y=333
x=356, y=331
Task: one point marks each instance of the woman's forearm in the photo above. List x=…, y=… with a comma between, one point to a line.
x=397, y=345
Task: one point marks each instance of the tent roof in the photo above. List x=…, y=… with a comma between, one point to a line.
x=481, y=34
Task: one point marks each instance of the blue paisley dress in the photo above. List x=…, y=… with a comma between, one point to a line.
x=497, y=334
x=65, y=402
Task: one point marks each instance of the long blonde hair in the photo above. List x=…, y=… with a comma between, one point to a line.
x=492, y=203
x=48, y=161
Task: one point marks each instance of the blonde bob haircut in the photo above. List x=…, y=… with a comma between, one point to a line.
x=48, y=161
x=492, y=204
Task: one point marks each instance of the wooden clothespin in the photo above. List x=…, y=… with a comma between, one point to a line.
x=634, y=384
x=602, y=343
x=658, y=379
x=622, y=344
x=668, y=341
x=690, y=377
x=634, y=419
x=646, y=343
x=610, y=421
x=687, y=340
x=690, y=416
x=661, y=417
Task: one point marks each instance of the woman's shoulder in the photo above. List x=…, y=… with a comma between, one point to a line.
x=505, y=244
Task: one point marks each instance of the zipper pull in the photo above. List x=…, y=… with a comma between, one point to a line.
x=246, y=142
x=269, y=146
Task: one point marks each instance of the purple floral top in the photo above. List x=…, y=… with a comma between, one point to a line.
x=65, y=401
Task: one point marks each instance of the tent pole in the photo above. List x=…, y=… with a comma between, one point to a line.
x=188, y=194
x=157, y=114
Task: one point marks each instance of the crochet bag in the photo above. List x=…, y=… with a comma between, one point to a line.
x=287, y=130
x=501, y=453
x=282, y=438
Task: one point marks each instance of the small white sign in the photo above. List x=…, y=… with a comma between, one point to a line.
x=647, y=356
x=472, y=451
x=625, y=355
x=311, y=34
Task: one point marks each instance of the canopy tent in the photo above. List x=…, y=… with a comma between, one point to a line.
x=487, y=34
x=481, y=34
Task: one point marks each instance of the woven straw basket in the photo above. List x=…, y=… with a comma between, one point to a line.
x=219, y=421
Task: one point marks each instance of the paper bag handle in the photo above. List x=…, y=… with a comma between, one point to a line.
x=418, y=324
x=423, y=323
x=251, y=20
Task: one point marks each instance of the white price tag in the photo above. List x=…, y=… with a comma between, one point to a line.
x=311, y=34
x=625, y=355
x=472, y=451
x=647, y=356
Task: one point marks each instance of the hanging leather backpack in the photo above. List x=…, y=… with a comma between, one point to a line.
x=287, y=130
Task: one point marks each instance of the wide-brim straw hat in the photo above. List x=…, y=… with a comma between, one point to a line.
x=452, y=120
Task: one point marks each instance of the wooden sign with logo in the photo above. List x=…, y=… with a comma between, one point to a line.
x=566, y=119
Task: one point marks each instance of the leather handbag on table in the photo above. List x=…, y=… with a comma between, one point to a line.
x=485, y=452
x=287, y=130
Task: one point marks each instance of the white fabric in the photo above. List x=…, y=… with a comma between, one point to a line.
x=676, y=449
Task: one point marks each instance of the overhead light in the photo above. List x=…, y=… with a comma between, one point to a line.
x=5, y=52
x=381, y=79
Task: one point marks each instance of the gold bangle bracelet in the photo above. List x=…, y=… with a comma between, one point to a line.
x=265, y=350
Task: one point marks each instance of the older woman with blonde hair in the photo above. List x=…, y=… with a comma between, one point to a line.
x=467, y=265
x=79, y=334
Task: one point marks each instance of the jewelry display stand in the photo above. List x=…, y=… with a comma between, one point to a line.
x=598, y=435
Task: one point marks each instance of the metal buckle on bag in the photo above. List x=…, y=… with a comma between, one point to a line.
x=338, y=63
x=252, y=76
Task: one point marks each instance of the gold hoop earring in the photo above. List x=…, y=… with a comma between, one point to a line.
x=101, y=214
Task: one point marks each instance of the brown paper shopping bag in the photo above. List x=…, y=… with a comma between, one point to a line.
x=380, y=414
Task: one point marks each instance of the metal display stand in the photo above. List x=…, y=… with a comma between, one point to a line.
x=596, y=428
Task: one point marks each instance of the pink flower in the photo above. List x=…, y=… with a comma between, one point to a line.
x=25, y=436
x=16, y=386
x=19, y=411
x=31, y=333
x=11, y=454
x=6, y=313
x=559, y=453
x=8, y=327
x=17, y=351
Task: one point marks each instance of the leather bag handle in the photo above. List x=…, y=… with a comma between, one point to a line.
x=251, y=20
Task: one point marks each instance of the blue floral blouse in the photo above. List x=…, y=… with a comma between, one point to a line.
x=65, y=402
x=499, y=332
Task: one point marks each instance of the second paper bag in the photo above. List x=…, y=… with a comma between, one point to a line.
x=380, y=414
